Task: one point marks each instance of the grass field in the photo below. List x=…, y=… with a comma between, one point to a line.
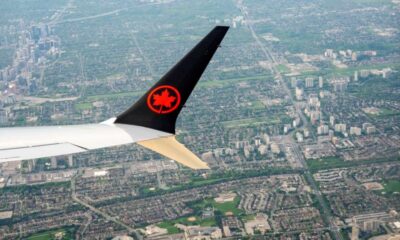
x=333, y=71
x=228, y=206
x=203, y=182
x=336, y=162
x=229, y=81
x=208, y=222
x=83, y=106
x=392, y=186
x=169, y=225
x=325, y=163
x=250, y=122
x=49, y=235
x=222, y=207
x=384, y=112
x=248, y=217
x=114, y=95
x=283, y=69
x=257, y=105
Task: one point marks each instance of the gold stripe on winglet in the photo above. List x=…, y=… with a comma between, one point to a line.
x=171, y=148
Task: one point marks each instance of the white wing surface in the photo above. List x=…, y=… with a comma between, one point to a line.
x=22, y=143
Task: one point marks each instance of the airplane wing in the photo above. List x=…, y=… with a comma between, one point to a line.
x=150, y=121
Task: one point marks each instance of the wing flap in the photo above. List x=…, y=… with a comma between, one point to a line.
x=26, y=153
x=171, y=148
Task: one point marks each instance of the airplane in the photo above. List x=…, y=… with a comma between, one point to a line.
x=149, y=122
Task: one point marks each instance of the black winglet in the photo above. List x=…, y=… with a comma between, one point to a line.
x=160, y=106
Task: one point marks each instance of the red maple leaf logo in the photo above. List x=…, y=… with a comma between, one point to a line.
x=163, y=99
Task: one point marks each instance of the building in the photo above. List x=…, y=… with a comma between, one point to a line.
x=260, y=224
x=365, y=125
x=371, y=225
x=263, y=149
x=202, y=233
x=309, y=82
x=396, y=225
x=322, y=130
x=320, y=82
x=371, y=130
x=364, y=73
x=207, y=213
x=355, y=131
x=296, y=122
x=385, y=72
x=53, y=162
x=6, y=215
x=299, y=137
x=115, y=238
x=313, y=100
x=299, y=93
x=293, y=82
x=370, y=221
x=315, y=116
x=355, y=231
x=70, y=161
x=354, y=56
x=232, y=226
x=287, y=128
x=275, y=148
x=266, y=138
x=306, y=132
x=176, y=236
x=368, y=128
x=241, y=144
x=340, y=127
x=331, y=133
x=332, y=120
x=356, y=76
x=247, y=151
x=329, y=53
x=153, y=230
x=339, y=86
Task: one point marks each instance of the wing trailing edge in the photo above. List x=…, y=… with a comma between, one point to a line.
x=172, y=149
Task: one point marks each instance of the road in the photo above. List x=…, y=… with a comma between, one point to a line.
x=270, y=57
x=326, y=212
x=98, y=211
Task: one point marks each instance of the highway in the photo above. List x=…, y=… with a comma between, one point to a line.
x=326, y=212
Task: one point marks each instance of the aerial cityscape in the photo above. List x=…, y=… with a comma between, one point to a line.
x=297, y=115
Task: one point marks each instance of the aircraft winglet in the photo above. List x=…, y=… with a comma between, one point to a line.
x=160, y=106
